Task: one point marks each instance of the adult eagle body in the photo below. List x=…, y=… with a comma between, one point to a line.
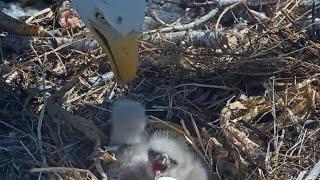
x=115, y=24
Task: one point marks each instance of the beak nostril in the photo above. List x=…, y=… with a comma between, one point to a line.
x=99, y=16
x=119, y=20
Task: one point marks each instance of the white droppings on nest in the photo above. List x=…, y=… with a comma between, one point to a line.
x=167, y=13
x=15, y=10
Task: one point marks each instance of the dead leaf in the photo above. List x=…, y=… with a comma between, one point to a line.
x=103, y=155
x=301, y=98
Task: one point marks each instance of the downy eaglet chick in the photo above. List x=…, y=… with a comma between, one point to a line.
x=170, y=157
x=128, y=122
x=161, y=156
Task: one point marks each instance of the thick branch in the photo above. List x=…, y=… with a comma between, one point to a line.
x=195, y=38
x=183, y=27
x=14, y=26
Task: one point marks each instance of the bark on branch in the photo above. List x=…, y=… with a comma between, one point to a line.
x=205, y=38
x=14, y=26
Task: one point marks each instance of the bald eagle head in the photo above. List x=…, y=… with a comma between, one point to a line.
x=115, y=24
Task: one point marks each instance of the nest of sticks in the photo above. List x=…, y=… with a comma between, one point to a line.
x=247, y=98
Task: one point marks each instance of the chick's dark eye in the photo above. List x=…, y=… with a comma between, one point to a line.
x=172, y=161
x=153, y=154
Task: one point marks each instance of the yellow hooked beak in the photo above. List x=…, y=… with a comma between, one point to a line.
x=122, y=51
